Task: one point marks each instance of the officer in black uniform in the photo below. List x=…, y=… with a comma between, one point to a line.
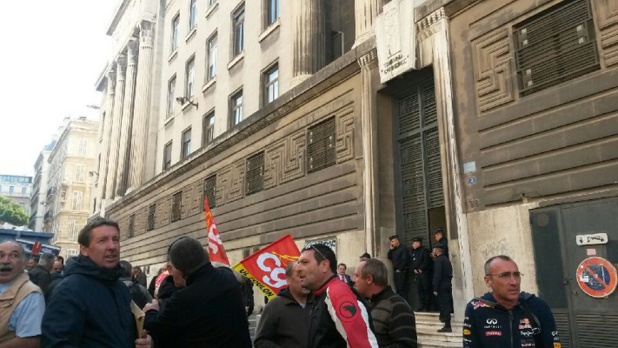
x=401, y=262
x=440, y=237
x=422, y=265
x=442, y=276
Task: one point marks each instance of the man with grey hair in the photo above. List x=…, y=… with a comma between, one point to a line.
x=285, y=319
x=21, y=301
x=393, y=320
x=40, y=275
x=208, y=311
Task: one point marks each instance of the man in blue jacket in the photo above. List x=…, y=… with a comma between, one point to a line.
x=506, y=317
x=91, y=307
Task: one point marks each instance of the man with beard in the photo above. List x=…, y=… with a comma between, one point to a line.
x=507, y=317
x=285, y=319
x=340, y=317
x=91, y=307
x=21, y=302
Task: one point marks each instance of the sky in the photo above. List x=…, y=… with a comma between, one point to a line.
x=52, y=54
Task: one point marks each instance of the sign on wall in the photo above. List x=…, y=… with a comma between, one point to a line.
x=597, y=277
x=396, y=39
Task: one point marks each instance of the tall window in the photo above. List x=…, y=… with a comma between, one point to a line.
x=174, y=37
x=211, y=52
x=186, y=144
x=273, y=11
x=271, y=84
x=152, y=209
x=167, y=156
x=239, y=30
x=82, y=148
x=236, y=109
x=190, y=78
x=80, y=172
x=192, y=14
x=76, y=204
x=177, y=206
x=210, y=184
x=171, y=100
x=73, y=230
x=131, y=231
x=208, y=128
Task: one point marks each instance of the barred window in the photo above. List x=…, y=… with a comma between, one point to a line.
x=555, y=45
x=176, y=206
x=255, y=174
x=321, y=145
x=151, y=217
x=209, y=190
x=131, y=226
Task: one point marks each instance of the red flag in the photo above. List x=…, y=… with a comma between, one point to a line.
x=158, y=282
x=36, y=248
x=266, y=267
x=215, y=246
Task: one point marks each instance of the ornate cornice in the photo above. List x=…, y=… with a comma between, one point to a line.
x=426, y=26
x=369, y=58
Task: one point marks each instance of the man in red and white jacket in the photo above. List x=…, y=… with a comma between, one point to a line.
x=340, y=316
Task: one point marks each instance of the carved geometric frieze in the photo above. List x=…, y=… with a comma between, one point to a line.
x=607, y=21
x=493, y=66
x=285, y=160
x=345, y=134
x=231, y=182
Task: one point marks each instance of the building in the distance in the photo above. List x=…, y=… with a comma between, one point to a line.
x=71, y=165
x=38, y=197
x=17, y=188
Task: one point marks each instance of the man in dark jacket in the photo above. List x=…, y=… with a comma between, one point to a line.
x=340, y=316
x=285, y=319
x=139, y=293
x=442, y=288
x=39, y=274
x=507, y=317
x=91, y=307
x=422, y=266
x=400, y=257
x=439, y=237
x=208, y=311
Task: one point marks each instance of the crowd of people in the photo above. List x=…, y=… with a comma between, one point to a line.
x=92, y=301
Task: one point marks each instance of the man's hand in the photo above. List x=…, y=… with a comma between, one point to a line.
x=144, y=342
x=153, y=305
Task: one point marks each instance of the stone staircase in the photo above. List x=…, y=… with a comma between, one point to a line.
x=427, y=325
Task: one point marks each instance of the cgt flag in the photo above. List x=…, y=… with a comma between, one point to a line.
x=215, y=246
x=266, y=267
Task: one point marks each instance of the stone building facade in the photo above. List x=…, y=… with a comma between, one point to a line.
x=38, y=199
x=71, y=165
x=17, y=188
x=471, y=139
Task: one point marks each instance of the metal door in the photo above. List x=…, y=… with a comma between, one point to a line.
x=583, y=321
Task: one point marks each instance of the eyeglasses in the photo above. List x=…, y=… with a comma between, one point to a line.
x=312, y=247
x=505, y=275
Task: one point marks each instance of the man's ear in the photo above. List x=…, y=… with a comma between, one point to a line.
x=83, y=250
x=369, y=279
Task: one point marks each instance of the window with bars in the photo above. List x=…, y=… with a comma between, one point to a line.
x=255, y=174
x=210, y=185
x=208, y=128
x=131, y=231
x=321, y=145
x=152, y=209
x=555, y=45
x=176, y=206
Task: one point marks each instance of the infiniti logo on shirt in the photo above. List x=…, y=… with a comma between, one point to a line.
x=492, y=321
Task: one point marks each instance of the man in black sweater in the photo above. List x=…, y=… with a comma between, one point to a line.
x=208, y=312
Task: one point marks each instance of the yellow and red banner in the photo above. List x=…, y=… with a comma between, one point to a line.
x=215, y=246
x=266, y=267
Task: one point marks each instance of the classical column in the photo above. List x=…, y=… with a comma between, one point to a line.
x=125, y=127
x=139, y=134
x=365, y=13
x=115, y=137
x=107, y=132
x=309, y=27
x=370, y=83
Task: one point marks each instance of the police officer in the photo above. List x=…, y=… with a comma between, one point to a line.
x=439, y=237
x=401, y=262
x=442, y=276
x=422, y=265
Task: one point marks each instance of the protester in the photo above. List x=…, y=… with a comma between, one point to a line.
x=21, y=302
x=393, y=321
x=139, y=276
x=340, y=317
x=32, y=262
x=40, y=275
x=139, y=294
x=442, y=287
x=285, y=320
x=91, y=307
x=507, y=317
x=208, y=311
x=153, y=282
